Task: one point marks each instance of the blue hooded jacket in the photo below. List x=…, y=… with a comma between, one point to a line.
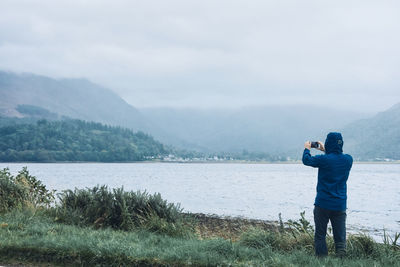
x=333, y=172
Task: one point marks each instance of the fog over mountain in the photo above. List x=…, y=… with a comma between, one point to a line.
x=273, y=129
x=207, y=76
x=277, y=130
x=213, y=54
x=375, y=137
x=75, y=98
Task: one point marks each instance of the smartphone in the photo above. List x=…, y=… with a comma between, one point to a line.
x=314, y=144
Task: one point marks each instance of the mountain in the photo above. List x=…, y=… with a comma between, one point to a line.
x=74, y=98
x=75, y=140
x=272, y=129
x=376, y=137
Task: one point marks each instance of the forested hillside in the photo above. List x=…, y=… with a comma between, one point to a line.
x=74, y=140
x=74, y=98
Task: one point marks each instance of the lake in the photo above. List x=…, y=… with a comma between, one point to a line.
x=260, y=191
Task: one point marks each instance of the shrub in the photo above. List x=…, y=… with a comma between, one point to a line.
x=363, y=246
x=257, y=238
x=12, y=195
x=391, y=243
x=22, y=191
x=180, y=228
x=119, y=209
x=299, y=235
x=302, y=226
x=279, y=241
x=38, y=195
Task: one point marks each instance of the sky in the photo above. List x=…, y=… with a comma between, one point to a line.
x=207, y=54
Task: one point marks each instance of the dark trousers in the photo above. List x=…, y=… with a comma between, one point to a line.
x=338, y=222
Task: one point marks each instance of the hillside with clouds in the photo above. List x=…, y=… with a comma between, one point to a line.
x=273, y=129
x=377, y=137
x=74, y=98
x=276, y=130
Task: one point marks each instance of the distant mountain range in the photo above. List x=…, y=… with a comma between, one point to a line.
x=276, y=130
x=273, y=129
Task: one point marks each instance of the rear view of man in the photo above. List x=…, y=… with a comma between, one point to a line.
x=330, y=202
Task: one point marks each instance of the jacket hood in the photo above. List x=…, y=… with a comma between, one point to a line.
x=334, y=143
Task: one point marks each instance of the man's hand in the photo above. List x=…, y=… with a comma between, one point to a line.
x=321, y=146
x=307, y=145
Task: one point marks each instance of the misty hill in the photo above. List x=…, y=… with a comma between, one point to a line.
x=74, y=98
x=376, y=137
x=272, y=129
x=75, y=140
x=34, y=112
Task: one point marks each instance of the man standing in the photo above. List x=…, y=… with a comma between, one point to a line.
x=330, y=202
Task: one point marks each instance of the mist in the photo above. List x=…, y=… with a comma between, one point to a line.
x=206, y=54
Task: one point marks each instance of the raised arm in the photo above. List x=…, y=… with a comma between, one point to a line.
x=309, y=160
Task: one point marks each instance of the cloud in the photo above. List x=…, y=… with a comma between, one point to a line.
x=212, y=53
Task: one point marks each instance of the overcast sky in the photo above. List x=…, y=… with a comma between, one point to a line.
x=212, y=53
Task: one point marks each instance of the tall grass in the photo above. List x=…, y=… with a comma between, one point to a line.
x=299, y=237
x=119, y=209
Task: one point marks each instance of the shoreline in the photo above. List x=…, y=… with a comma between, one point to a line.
x=227, y=227
x=193, y=162
x=230, y=227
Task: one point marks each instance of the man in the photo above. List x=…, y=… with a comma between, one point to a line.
x=330, y=202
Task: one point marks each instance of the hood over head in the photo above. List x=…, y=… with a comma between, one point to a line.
x=334, y=143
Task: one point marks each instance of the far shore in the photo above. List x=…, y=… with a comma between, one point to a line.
x=192, y=162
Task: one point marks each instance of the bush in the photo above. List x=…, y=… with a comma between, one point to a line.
x=12, y=194
x=278, y=241
x=22, y=191
x=180, y=228
x=299, y=235
x=119, y=209
x=257, y=238
x=361, y=246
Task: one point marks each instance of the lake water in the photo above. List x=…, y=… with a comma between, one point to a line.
x=260, y=191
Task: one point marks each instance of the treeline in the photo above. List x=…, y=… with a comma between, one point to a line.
x=244, y=155
x=75, y=140
x=253, y=156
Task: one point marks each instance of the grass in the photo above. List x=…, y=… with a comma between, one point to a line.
x=102, y=227
x=33, y=237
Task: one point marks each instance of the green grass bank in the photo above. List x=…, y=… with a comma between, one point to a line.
x=102, y=227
